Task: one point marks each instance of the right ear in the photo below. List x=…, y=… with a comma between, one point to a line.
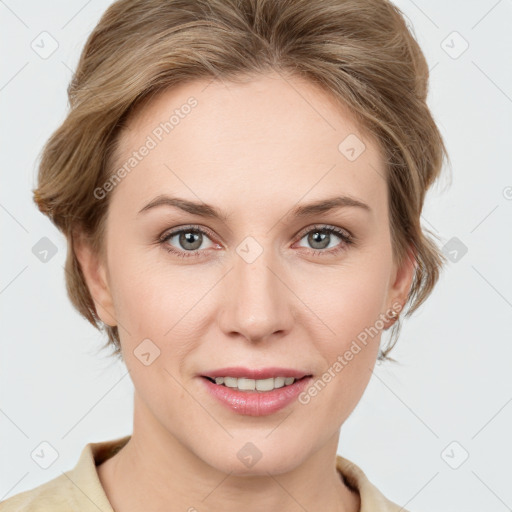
x=95, y=275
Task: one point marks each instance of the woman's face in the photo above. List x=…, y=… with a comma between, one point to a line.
x=259, y=286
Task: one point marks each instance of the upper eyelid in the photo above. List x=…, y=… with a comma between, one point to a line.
x=324, y=226
x=191, y=227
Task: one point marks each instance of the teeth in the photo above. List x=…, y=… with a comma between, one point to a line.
x=243, y=384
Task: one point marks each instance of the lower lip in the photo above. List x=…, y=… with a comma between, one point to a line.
x=256, y=403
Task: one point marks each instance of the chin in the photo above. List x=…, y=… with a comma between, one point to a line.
x=257, y=457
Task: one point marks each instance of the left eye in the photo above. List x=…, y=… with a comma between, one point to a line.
x=320, y=237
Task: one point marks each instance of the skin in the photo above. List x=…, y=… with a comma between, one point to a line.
x=254, y=151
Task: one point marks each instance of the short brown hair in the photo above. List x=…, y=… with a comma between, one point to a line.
x=361, y=52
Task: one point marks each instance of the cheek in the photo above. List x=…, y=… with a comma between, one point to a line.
x=138, y=299
x=348, y=302
x=149, y=306
x=142, y=286
x=349, y=299
x=156, y=299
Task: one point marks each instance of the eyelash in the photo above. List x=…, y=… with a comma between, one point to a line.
x=347, y=240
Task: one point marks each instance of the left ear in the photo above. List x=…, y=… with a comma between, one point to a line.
x=401, y=280
x=95, y=274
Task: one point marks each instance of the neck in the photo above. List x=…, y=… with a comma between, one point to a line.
x=143, y=476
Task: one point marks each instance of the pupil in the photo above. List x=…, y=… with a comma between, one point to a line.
x=190, y=237
x=324, y=242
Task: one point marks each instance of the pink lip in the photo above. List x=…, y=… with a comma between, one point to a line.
x=256, y=403
x=254, y=373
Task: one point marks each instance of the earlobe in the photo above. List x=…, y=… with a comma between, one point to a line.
x=95, y=275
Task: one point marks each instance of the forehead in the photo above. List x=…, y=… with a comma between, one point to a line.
x=268, y=136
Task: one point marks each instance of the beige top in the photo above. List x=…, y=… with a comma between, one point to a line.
x=80, y=488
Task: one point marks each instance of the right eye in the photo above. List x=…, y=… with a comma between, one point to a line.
x=189, y=240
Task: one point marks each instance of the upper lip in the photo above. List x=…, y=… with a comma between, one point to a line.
x=255, y=373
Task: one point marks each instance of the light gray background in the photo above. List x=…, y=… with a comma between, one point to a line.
x=454, y=382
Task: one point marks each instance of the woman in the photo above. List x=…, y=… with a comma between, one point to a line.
x=241, y=184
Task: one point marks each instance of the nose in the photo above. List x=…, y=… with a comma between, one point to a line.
x=258, y=304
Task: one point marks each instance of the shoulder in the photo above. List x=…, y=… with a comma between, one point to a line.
x=54, y=495
x=73, y=490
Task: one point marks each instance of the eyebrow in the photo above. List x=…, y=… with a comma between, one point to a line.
x=208, y=211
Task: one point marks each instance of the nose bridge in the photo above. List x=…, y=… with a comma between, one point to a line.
x=257, y=302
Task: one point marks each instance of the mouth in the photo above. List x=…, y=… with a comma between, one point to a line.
x=267, y=394
x=255, y=385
